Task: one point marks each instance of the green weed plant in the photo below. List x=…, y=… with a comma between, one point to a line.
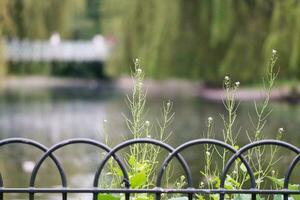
x=142, y=159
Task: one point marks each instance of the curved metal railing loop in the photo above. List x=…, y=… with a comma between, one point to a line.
x=288, y=174
x=248, y=147
x=192, y=143
x=64, y=144
x=158, y=190
x=139, y=141
x=33, y=144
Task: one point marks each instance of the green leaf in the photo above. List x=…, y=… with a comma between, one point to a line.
x=215, y=196
x=108, y=197
x=236, y=147
x=131, y=160
x=294, y=197
x=218, y=182
x=200, y=197
x=280, y=182
x=138, y=179
x=230, y=183
x=259, y=197
x=243, y=167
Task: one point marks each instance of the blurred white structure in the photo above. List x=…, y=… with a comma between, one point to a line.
x=54, y=39
x=55, y=49
x=28, y=166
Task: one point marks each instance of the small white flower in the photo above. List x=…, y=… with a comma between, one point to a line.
x=280, y=130
x=182, y=178
x=137, y=60
x=226, y=78
x=139, y=70
x=147, y=123
x=207, y=153
x=273, y=172
x=201, y=183
x=274, y=51
x=168, y=104
x=210, y=119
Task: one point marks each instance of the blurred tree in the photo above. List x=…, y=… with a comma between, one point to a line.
x=204, y=39
x=87, y=23
x=5, y=22
x=34, y=19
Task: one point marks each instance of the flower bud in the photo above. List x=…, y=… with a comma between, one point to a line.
x=147, y=123
x=280, y=130
x=273, y=172
x=209, y=121
x=168, y=104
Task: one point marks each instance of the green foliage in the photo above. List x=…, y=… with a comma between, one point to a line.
x=142, y=158
x=108, y=197
x=204, y=39
x=33, y=19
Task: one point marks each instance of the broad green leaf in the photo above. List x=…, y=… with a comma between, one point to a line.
x=218, y=182
x=142, y=166
x=200, y=197
x=138, y=179
x=108, y=197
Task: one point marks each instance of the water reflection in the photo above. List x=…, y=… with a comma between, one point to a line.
x=53, y=115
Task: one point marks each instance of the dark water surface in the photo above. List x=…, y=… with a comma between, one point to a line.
x=52, y=115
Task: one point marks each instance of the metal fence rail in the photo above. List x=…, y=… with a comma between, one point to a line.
x=174, y=153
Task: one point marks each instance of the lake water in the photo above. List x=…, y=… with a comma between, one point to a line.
x=55, y=114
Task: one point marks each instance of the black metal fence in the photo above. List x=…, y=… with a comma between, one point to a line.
x=158, y=191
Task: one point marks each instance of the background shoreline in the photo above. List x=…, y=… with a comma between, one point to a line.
x=169, y=87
